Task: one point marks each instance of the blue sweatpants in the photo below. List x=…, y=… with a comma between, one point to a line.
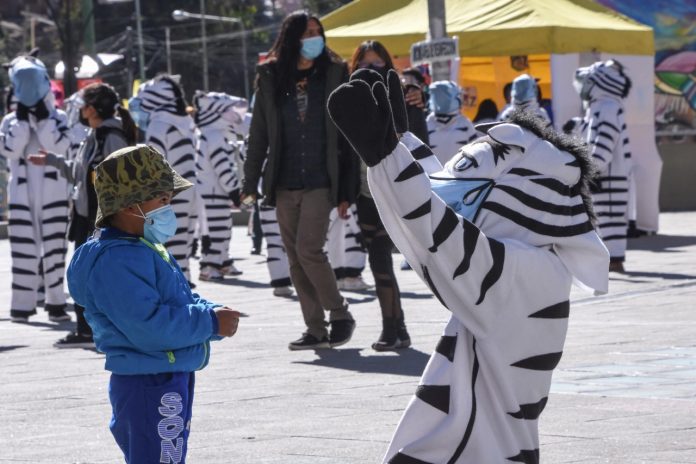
x=152, y=416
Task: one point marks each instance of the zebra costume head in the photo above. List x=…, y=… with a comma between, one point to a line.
x=219, y=110
x=163, y=93
x=30, y=81
x=524, y=181
x=603, y=78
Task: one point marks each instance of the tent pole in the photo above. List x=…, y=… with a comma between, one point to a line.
x=437, y=29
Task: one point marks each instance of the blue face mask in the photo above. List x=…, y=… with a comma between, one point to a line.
x=160, y=224
x=312, y=47
x=464, y=196
x=140, y=117
x=30, y=83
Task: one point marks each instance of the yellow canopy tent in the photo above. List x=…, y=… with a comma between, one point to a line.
x=557, y=36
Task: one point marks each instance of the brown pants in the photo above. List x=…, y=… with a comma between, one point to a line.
x=303, y=218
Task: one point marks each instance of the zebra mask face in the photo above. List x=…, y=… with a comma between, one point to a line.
x=514, y=184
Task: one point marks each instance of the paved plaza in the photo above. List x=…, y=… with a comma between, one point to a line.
x=624, y=392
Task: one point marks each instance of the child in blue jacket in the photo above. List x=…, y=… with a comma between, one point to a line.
x=154, y=331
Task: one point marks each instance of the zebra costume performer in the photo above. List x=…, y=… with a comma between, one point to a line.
x=38, y=195
x=217, y=117
x=448, y=129
x=159, y=110
x=345, y=251
x=602, y=88
x=499, y=235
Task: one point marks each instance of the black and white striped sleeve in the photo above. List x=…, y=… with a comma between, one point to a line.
x=14, y=137
x=53, y=133
x=459, y=263
x=603, y=136
x=221, y=155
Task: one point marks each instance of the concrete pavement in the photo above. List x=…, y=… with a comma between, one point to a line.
x=624, y=392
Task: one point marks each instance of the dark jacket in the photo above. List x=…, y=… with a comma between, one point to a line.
x=265, y=138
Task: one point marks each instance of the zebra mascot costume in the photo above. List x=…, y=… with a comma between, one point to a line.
x=602, y=87
x=524, y=96
x=38, y=195
x=217, y=117
x=345, y=251
x=159, y=110
x=499, y=235
x=448, y=128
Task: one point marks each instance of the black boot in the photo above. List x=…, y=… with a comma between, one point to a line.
x=387, y=340
x=402, y=333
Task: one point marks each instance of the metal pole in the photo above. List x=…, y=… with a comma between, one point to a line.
x=87, y=13
x=129, y=60
x=168, y=48
x=141, y=49
x=32, y=29
x=245, y=63
x=437, y=29
x=204, y=46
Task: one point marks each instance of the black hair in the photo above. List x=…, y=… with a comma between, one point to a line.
x=507, y=92
x=376, y=47
x=106, y=102
x=487, y=110
x=285, y=51
x=415, y=73
x=573, y=145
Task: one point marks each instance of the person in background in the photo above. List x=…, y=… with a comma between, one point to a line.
x=448, y=128
x=487, y=112
x=416, y=102
x=525, y=97
x=373, y=56
x=306, y=168
x=38, y=195
x=507, y=96
x=154, y=331
x=110, y=128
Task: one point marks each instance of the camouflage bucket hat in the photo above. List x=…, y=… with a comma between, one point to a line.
x=133, y=175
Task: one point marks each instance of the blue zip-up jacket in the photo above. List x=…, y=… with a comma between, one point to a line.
x=142, y=311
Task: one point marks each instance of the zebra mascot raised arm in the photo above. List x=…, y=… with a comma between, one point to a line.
x=159, y=110
x=217, y=117
x=38, y=195
x=499, y=235
x=602, y=87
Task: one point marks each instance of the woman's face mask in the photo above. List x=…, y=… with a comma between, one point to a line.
x=160, y=224
x=312, y=47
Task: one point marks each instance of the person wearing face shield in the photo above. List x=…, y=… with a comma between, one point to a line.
x=524, y=96
x=448, y=128
x=306, y=168
x=154, y=331
x=110, y=129
x=218, y=119
x=38, y=195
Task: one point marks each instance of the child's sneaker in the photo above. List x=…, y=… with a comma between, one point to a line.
x=283, y=291
x=210, y=274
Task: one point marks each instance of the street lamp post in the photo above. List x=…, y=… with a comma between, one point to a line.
x=181, y=15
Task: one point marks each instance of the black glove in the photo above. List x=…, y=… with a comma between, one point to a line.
x=363, y=115
x=368, y=75
x=235, y=198
x=40, y=111
x=22, y=112
x=398, y=104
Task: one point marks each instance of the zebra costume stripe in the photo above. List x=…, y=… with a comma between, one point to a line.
x=38, y=209
x=447, y=134
x=217, y=116
x=505, y=281
x=604, y=85
x=276, y=258
x=170, y=131
x=344, y=244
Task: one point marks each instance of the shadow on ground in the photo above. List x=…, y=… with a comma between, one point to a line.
x=4, y=349
x=401, y=362
x=658, y=242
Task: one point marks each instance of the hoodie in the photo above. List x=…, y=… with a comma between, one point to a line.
x=142, y=311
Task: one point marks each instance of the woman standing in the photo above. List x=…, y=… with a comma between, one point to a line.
x=111, y=128
x=372, y=55
x=305, y=168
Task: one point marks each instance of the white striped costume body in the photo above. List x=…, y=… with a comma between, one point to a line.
x=38, y=207
x=217, y=115
x=276, y=258
x=448, y=134
x=506, y=279
x=604, y=129
x=343, y=244
x=173, y=136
